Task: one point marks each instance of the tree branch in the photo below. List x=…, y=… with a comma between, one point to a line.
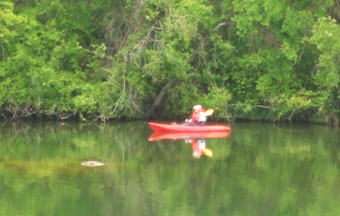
x=159, y=98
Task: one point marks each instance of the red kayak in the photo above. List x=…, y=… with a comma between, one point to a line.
x=156, y=136
x=173, y=127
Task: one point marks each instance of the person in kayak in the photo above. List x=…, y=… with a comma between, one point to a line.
x=198, y=116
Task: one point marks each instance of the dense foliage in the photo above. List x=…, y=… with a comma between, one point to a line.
x=123, y=59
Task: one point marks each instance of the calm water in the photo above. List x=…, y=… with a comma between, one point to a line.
x=260, y=169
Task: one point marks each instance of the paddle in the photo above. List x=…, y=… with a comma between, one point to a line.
x=209, y=112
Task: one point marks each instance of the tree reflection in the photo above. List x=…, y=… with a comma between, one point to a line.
x=259, y=170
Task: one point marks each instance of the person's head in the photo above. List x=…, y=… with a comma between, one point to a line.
x=197, y=107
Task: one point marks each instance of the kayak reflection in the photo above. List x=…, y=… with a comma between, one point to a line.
x=197, y=140
x=156, y=136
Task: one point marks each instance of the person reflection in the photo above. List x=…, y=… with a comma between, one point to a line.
x=199, y=147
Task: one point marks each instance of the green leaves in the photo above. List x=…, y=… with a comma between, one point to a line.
x=325, y=36
x=46, y=69
x=125, y=59
x=218, y=99
x=10, y=25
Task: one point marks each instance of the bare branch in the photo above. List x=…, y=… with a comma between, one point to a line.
x=159, y=98
x=220, y=25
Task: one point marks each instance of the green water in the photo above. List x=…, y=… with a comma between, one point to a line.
x=261, y=169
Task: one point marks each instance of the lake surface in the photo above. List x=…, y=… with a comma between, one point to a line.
x=260, y=169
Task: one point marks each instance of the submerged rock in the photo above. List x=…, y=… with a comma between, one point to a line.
x=92, y=163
